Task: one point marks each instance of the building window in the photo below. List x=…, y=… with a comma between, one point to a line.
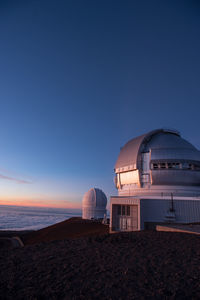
x=123, y=210
x=186, y=166
x=195, y=167
x=119, y=210
x=162, y=166
x=175, y=166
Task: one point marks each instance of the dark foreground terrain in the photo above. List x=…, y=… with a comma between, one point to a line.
x=138, y=265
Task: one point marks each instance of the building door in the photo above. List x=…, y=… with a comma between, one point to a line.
x=122, y=224
x=125, y=223
x=125, y=217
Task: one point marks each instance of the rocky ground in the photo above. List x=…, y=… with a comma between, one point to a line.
x=72, y=228
x=138, y=265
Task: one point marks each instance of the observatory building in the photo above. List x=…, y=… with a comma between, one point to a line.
x=94, y=204
x=157, y=176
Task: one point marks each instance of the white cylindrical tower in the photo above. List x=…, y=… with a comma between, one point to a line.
x=94, y=204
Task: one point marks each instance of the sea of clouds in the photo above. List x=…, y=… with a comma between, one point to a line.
x=33, y=218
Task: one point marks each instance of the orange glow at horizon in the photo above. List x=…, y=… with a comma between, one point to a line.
x=42, y=203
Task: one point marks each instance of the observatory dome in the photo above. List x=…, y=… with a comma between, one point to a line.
x=158, y=181
x=94, y=204
x=160, y=157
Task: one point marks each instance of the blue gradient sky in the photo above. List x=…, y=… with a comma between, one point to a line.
x=80, y=78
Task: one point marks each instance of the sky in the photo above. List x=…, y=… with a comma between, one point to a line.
x=78, y=79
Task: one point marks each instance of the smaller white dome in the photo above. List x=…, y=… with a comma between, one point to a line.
x=94, y=204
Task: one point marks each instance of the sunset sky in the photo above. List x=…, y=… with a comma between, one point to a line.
x=78, y=79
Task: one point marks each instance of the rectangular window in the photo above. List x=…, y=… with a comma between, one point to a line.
x=162, y=166
x=119, y=210
x=123, y=210
x=195, y=167
x=129, y=177
x=185, y=165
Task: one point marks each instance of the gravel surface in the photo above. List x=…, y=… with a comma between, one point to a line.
x=137, y=265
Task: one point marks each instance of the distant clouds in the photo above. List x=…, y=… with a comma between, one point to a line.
x=16, y=180
x=33, y=218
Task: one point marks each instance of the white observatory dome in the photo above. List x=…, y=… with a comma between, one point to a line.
x=160, y=157
x=157, y=176
x=94, y=204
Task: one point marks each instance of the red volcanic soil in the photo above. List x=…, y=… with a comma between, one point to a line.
x=69, y=229
x=137, y=265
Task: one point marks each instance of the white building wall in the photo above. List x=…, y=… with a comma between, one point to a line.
x=155, y=210
x=93, y=213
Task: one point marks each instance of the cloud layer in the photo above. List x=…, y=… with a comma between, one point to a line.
x=32, y=218
x=16, y=180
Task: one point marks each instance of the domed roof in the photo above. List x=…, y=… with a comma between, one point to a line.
x=161, y=142
x=168, y=140
x=94, y=198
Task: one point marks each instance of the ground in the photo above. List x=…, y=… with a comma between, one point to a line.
x=137, y=265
